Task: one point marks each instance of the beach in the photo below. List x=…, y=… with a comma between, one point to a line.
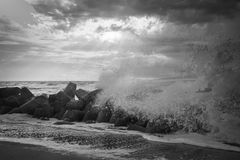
x=22, y=137
x=16, y=151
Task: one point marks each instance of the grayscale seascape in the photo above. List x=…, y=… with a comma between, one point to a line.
x=119, y=79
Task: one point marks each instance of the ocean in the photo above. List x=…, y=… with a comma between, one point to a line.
x=47, y=87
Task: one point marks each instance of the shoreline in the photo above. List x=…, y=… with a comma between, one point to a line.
x=188, y=139
x=29, y=151
x=100, y=140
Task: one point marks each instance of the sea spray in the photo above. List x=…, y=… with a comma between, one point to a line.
x=208, y=101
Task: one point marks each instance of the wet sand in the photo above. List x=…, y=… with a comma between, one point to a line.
x=18, y=151
x=41, y=140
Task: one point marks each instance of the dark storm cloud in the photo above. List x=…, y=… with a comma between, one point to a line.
x=182, y=11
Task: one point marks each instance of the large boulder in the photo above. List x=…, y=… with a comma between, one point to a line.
x=120, y=117
x=80, y=93
x=91, y=96
x=136, y=127
x=9, y=91
x=12, y=101
x=43, y=112
x=25, y=96
x=32, y=105
x=91, y=114
x=17, y=100
x=75, y=105
x=158, y=126
x=73, y=115
x=5, y=109
x=70, y=89
x=105, y=114
x=58, y=102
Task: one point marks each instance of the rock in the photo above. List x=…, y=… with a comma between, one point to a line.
x=5, y=109
x=120, y=117
x=1, y=102
x=25, y=96
x=63, y=123
x=158, y=126
x=80, y=93
x=70, y=89
x=73, y=115
x=44, y=112
x=91, y=114
x=91, y=96
x=12, y=101
x=9, y=91
x=136, y=127
x=75, y=105
x=17, y=100
x=58, y=102
x=104, y=115
x=30, y=106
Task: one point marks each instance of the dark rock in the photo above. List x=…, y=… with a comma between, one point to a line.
x=63, y=123
x=70, y=89
x=91, y=114
x=30, y=106
x=80, y=93
x=5, y=109
x=73, y=115
x=75, y=105
x=158, y=126
x=44, y=112
x=88, y=107
x=52, y=98
x=12, y=101
x=104, y=115
x=44, y=118
x=25, y=96
x=58, y=102
x=136, y=127
x=9, y=91
x=91, y=96
x=120, y=118
x=17, y=100
x=1, y=102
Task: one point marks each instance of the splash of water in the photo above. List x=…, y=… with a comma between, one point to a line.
x=211, y=99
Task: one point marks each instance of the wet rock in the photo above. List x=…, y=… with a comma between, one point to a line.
x=58, y=102
x=17, y=100
x=136, y=127
x=25, y=96
x=73, y=115
x=120, y=117
x=5, y=109
x=91, y=114
x=75, y=105
x=104, y=115
x=63, y=123
x=43, y=112
x=9, y=91
x=30, y=106
x=12, y=101
x=91, y=96
x=70, y=89
x=80, y=93
x=158, y=126
x=44, y=118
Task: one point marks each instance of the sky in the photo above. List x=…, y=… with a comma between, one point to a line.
x=84, y=39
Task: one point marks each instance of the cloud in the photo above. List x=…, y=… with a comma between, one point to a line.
x=183, y=11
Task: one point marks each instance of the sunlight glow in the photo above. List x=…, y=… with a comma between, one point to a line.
x=111, y=36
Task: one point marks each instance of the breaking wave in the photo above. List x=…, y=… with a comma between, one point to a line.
x=204, y=96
